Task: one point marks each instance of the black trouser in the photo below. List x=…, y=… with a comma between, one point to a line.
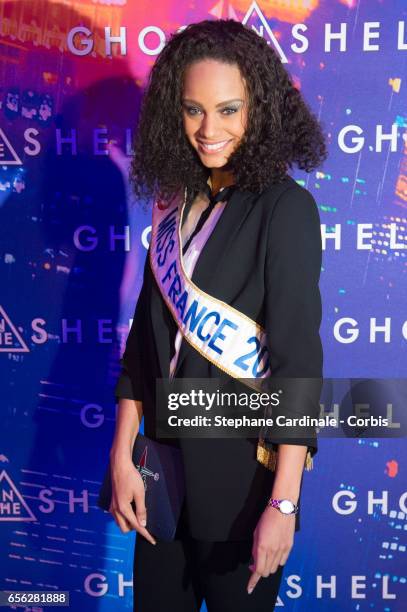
x=176, y=576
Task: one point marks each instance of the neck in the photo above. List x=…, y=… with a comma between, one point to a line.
x=220, y=178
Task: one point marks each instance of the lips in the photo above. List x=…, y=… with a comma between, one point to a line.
x=213, y=147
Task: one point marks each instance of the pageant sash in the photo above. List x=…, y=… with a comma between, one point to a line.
x=228, y=338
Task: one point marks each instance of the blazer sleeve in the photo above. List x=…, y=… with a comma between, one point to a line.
x=130, y=382
x=293, y=309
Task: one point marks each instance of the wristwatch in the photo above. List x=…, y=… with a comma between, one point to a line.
x=286, y=506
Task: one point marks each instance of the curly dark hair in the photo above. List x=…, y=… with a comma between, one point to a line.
x=281, y=128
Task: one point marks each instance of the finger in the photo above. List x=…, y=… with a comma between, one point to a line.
x=141, y=510
x=284, y=558
x=118, y=519
x=280, y=557
x=260, y=560
x=141, y=516
x=126, y=511
x=121, y=522
x=254, y=578
x=132, y=519
x=267, y=563
x=275, y=561
x=143, y=531
x=279, y=560
x=265, y=573
x=259, y=557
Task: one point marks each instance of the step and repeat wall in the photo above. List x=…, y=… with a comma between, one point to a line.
x=72, y=248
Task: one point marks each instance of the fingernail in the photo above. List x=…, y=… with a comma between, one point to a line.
x=143, y=522
x=250, y=590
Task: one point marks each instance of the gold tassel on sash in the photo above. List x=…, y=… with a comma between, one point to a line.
x=268, y=457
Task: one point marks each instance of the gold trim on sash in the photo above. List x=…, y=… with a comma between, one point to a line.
x=268, y=457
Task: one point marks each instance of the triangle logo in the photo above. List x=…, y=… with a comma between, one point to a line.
x=259, y=23
x=11, y=340
x=8, y=155
x=13, y=506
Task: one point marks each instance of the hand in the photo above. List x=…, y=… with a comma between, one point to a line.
x=273, y=539
x=128, y=485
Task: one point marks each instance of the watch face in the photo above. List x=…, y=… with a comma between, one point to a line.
x=286, y=506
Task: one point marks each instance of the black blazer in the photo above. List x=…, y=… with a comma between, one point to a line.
x=264, y=259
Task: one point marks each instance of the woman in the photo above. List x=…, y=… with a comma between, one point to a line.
x=221, y=123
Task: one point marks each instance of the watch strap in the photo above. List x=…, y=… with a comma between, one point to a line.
x=275, y=503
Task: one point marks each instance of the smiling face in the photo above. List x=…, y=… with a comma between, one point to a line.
x=214, y=109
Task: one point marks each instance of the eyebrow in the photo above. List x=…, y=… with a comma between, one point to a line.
x=217, y=106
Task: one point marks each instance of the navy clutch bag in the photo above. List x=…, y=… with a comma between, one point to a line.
x=161, y=469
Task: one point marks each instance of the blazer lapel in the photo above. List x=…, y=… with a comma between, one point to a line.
x=161, y=329
x=216, y=247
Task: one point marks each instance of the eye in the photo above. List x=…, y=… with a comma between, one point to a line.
x=190, y=110
x=193, y=110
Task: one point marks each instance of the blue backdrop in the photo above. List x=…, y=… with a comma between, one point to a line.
x=72, y=249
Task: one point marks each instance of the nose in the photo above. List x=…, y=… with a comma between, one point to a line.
x=209, y=128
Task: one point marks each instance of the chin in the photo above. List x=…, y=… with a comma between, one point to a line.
x=214, y=164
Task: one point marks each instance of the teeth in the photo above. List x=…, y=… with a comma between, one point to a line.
x=213, y=147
